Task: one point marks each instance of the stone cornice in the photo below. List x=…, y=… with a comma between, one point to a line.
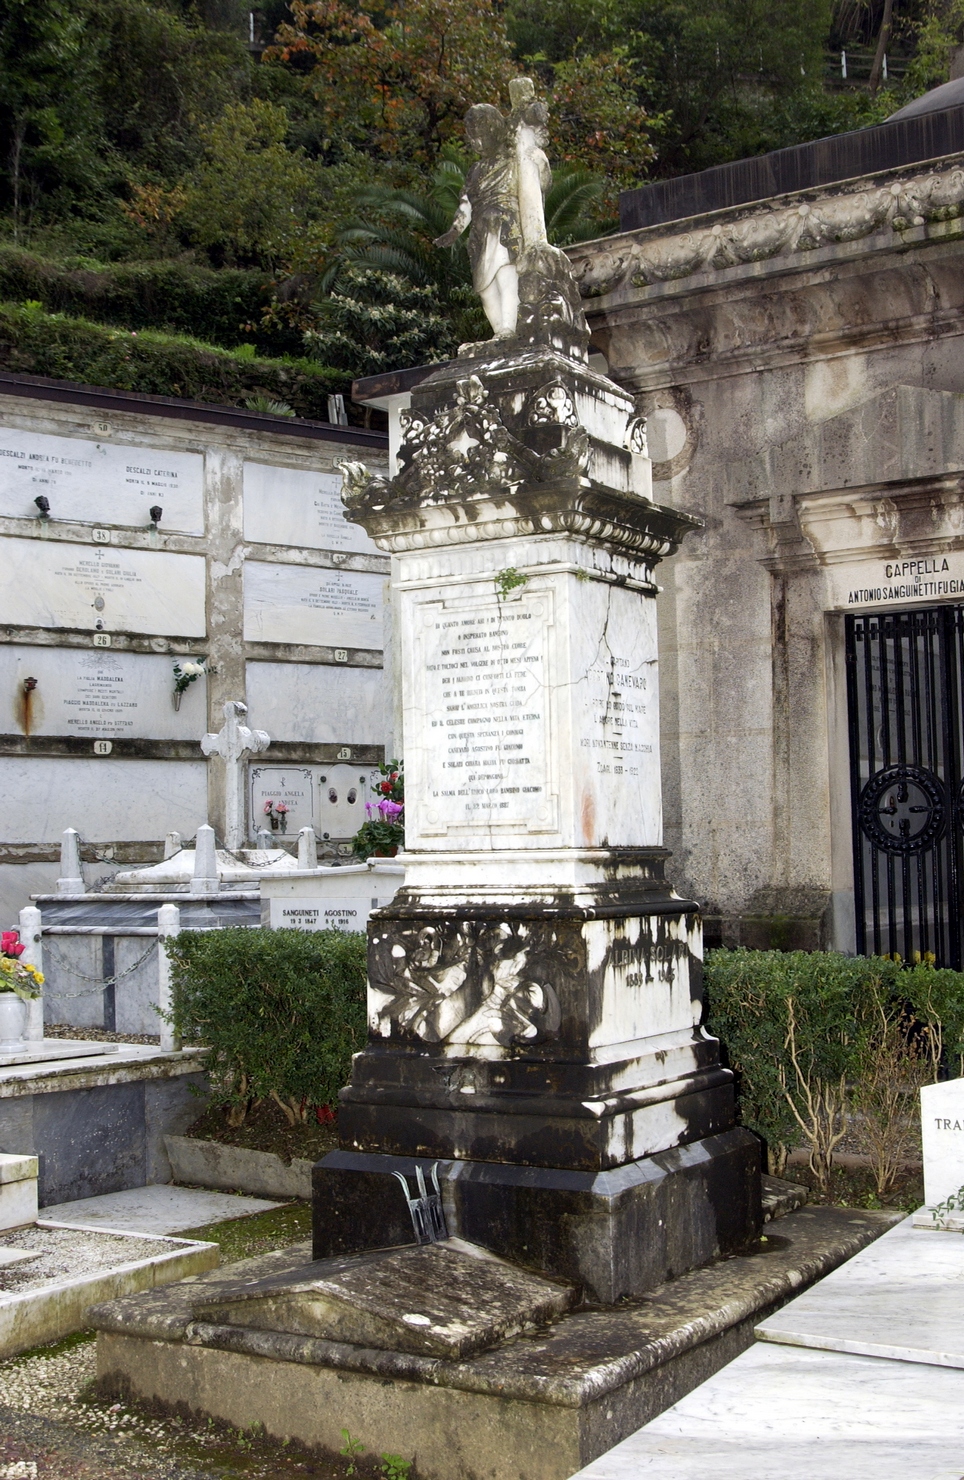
x=898, y=207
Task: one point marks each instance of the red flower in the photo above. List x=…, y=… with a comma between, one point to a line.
x=386, y=787
x=10, y=943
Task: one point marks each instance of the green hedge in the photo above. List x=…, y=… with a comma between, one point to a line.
x=822, y=1043
x=177, y=297
x=282, y=1012
x=33, y=342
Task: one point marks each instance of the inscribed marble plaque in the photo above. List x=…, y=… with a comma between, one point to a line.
x=908, y=581
x=480, y=713
x=97, y=693
x=53, y=583
x=294, y=506
x=304, y=604
x=282, y=799
x=942, y=1133
x=348, y=914
x=99, y=482
x=322, y=702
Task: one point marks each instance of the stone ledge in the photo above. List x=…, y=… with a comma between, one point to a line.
x=261, y=1173
x=130, y=1063
x=539, y=1405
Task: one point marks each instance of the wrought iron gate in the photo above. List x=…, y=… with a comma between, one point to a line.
x=905, y=682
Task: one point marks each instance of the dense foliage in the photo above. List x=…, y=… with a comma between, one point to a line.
x=308, y=151
x=822, y=1042
x=282, y=1012
x=33, y=342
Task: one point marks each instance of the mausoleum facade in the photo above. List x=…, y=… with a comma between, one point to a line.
x=136, y=533
x=800, y=361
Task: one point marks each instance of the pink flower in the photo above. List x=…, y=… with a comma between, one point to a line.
x=267, y=807
x=281, y=807
x=10, y=943
x=390, y=810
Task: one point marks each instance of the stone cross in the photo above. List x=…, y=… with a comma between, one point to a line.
x=234, y=743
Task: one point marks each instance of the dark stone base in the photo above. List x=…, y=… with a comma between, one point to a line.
x=612, y=1233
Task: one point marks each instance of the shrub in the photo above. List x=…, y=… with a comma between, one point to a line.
x=33, y=342
x=178, y=297
x=815, y=1036
x=282, y=1012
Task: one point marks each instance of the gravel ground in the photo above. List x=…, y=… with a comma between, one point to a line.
x=96, y=1035
x=67, y=1252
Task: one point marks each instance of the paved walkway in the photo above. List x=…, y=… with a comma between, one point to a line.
x=861, y=1377
x=159, y=1209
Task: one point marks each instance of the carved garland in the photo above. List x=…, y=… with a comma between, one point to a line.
x=777, y=231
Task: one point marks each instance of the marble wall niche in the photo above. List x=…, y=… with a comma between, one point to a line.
x=291, y=506
x=105, y=798
x=99, y=482
x=55, y=583
x=313, y=605
x=96, y=693
x=292, y=786
x=298, y=701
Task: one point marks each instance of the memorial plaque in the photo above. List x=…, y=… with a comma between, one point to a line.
x=99, y=482
x=60, y=584
x=299, y=604
x=347, y=914
x=300, y=507
x=313, y=701
x=275, y=787
x=97, y=693
x=481, y=702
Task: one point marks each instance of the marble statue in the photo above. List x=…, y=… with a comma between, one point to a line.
x=515, y=271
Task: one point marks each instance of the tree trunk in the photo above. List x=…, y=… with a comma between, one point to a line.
x=883, y=41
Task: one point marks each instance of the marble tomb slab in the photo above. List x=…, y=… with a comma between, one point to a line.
x=53, y=583
x=98, y=693
x=347, y=708
x=105, y=798
x=312, y=605
x=439, y=1300
x=903, y=1298
x=299, y=507
x=801, y=1415
x=100, y=482
x=54, y=1050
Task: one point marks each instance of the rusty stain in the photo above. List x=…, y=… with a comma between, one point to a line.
x=588, y=817
x=28, y=705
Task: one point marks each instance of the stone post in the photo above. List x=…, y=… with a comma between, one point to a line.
x=168, y=925
x=535, y=998
x=31, y=935
x=71, y=879
x=307, y=848
x=205, y=879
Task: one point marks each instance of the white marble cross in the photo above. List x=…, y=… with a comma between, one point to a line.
x=234, y=743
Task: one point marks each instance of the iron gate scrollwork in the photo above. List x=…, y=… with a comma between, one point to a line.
x=904, y=695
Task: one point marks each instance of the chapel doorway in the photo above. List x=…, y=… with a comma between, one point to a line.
x=905, y=682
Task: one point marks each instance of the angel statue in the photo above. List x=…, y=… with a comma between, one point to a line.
x=503, y=204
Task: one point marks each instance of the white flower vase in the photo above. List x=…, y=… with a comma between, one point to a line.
x=13, y=1020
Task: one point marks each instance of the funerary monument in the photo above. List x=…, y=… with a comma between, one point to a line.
x=535, y=987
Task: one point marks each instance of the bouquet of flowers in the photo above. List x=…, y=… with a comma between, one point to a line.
x=384, y=832
x=185, y=674
x=277, y=814
x=15, y=975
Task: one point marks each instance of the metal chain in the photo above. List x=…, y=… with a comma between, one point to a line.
x=101, y=982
